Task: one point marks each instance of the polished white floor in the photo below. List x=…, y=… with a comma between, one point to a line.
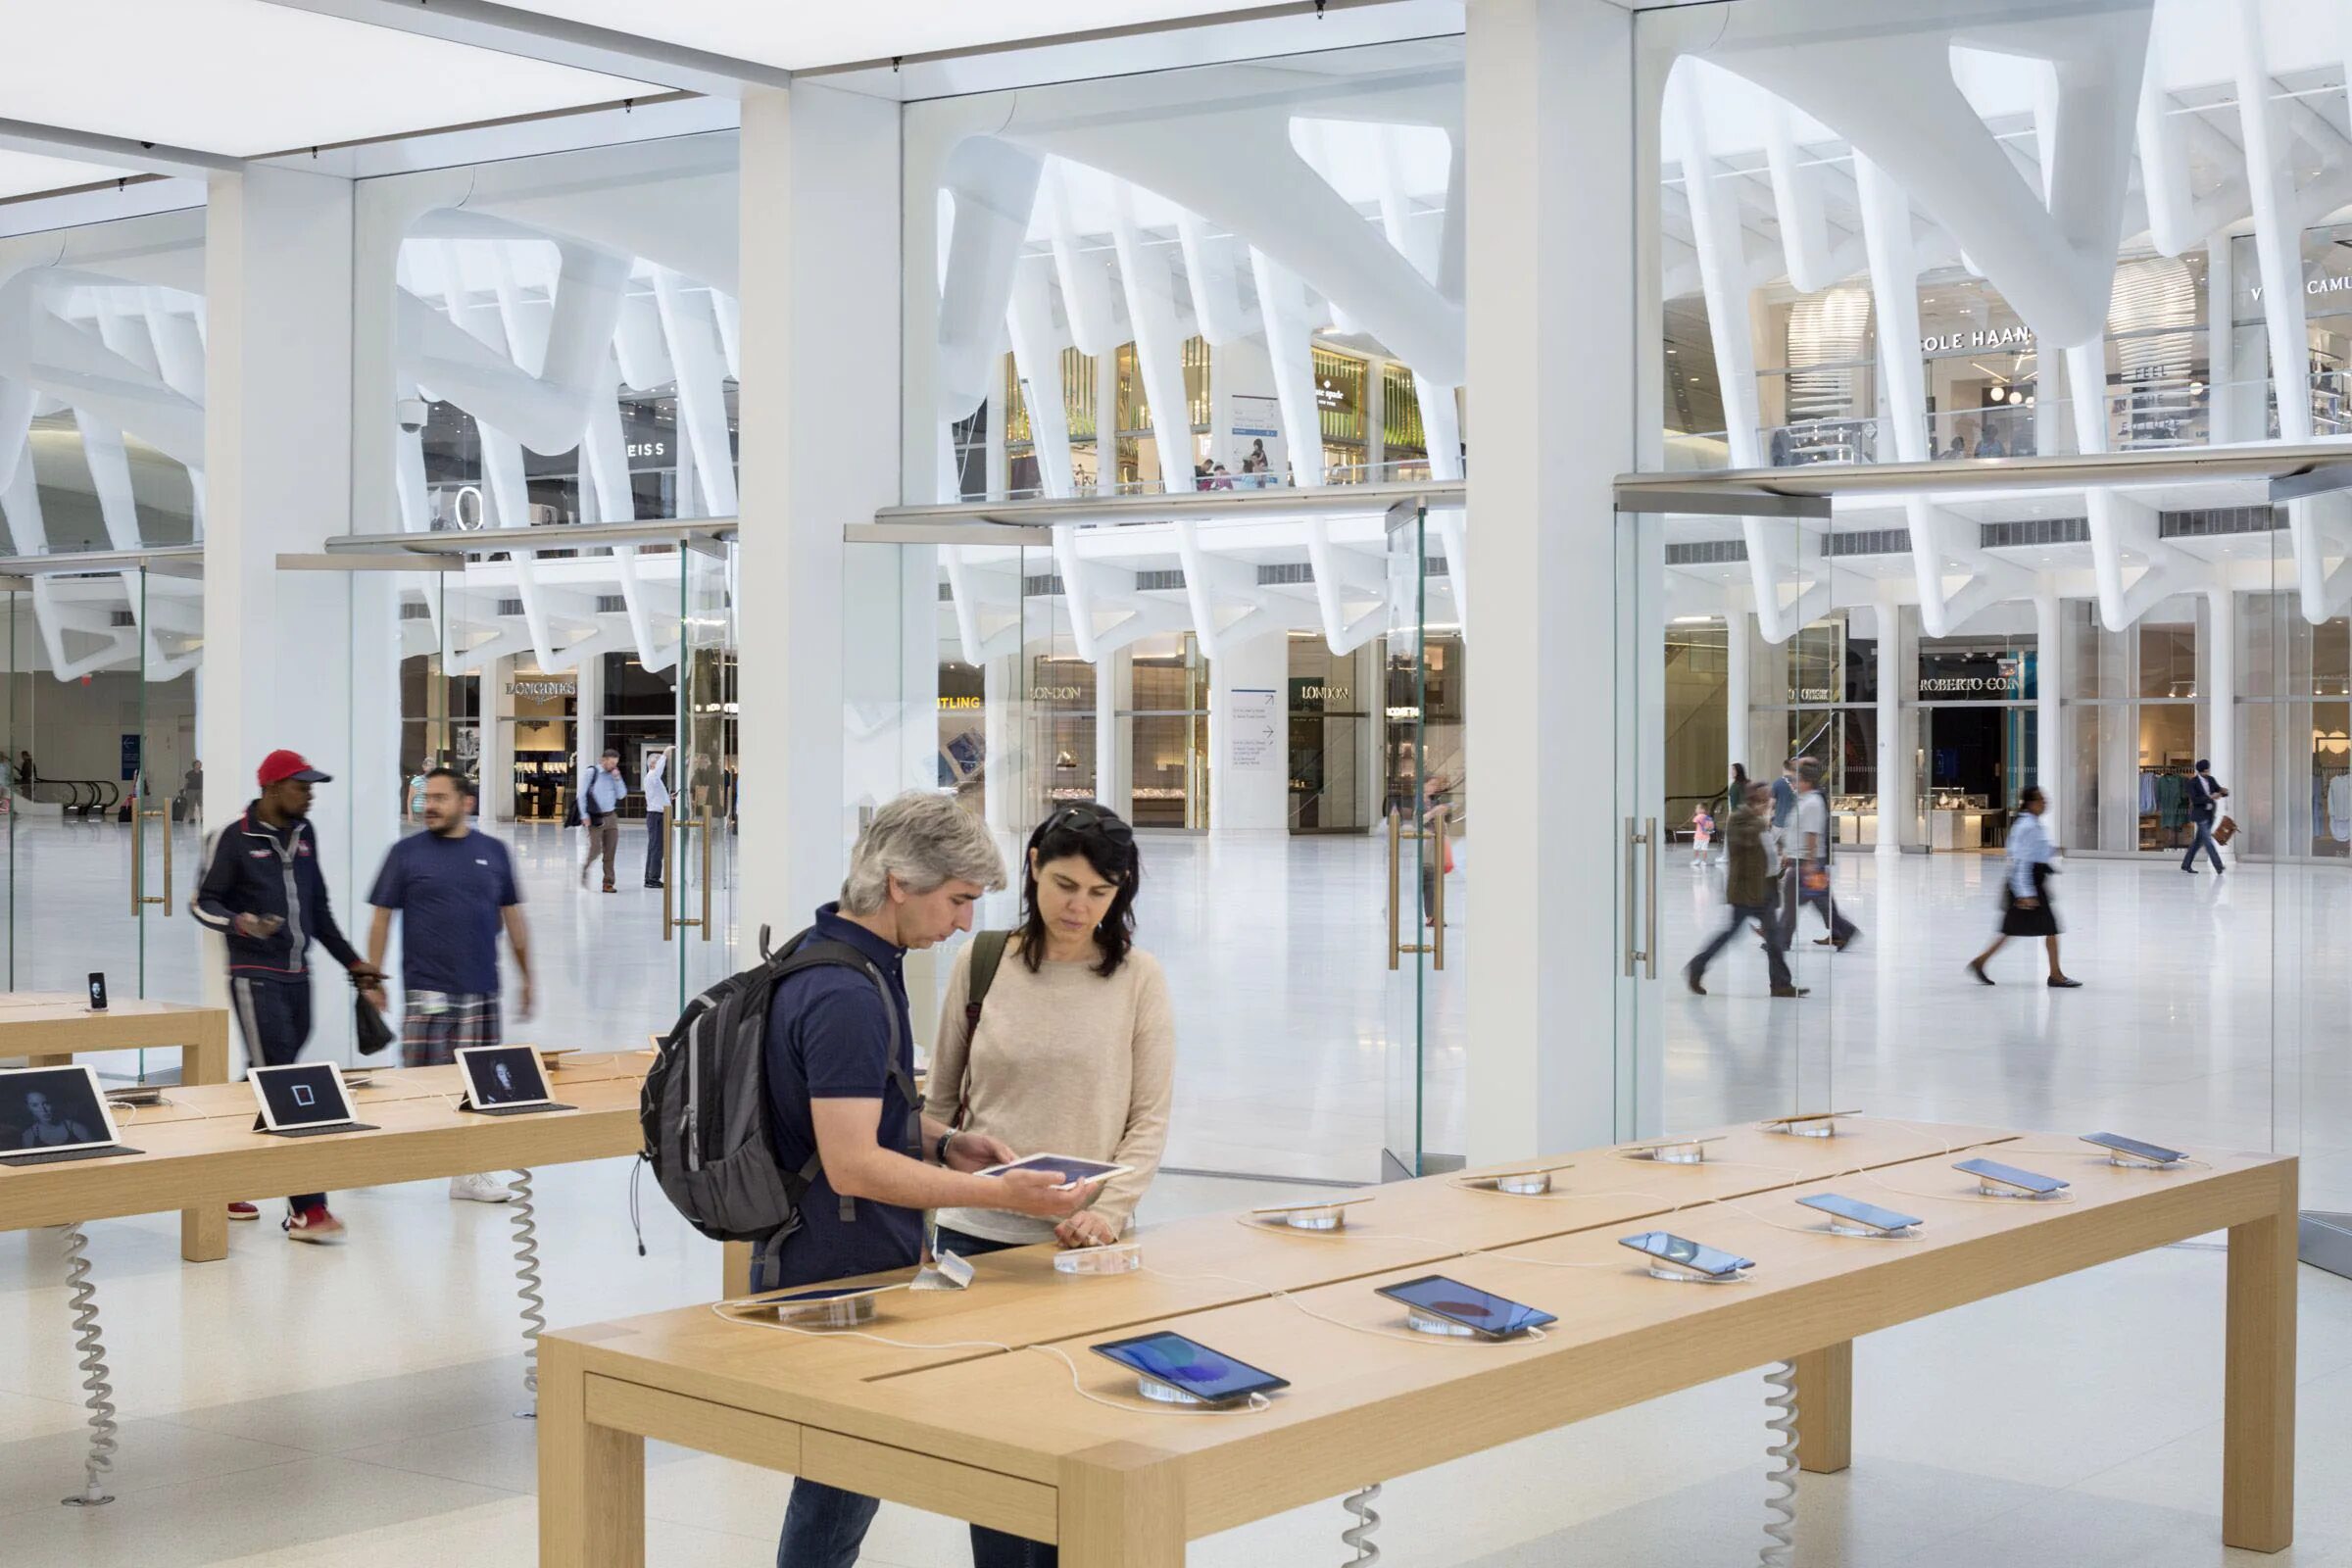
x=2214, y=1008
x=354, y=1405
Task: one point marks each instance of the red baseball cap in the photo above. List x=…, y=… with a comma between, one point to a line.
x=280, y=766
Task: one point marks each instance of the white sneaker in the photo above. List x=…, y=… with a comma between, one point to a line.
x=480, y=1190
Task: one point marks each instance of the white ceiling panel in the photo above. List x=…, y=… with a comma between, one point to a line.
x=23, y=174
x=804, y=36
x=244, y=77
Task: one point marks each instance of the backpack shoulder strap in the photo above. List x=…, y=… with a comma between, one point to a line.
x=988, y=956
x=807, y=951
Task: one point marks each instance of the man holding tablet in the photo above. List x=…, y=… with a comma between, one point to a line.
x=840, y=1057
x=455, y=889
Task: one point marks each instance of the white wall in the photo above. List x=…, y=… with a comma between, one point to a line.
x=1250, y=766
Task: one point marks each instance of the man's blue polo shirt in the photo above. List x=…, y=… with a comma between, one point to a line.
x=829, y=1038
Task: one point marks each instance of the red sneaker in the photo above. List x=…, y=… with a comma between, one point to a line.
x=313, y=1224
x=243, y=1211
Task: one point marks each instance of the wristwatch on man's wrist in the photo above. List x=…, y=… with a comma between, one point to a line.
x=941, y=1152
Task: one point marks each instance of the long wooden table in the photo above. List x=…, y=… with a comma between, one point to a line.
x=49, y=1029
x=1129, y=1487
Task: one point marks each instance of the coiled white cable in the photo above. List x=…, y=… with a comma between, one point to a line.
x=1780, y=1505
x=1358, y=1536
x=526, y=1275
x=101, y=1402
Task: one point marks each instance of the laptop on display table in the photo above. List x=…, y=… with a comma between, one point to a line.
x=303, y=1099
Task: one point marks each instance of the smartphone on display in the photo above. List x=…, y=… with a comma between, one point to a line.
x=1857, y=1212
x=97, y=991
x=1523, y=1173
x=2023, y=1181
x=1654, y=1145
x=1487, y=1315
x=1668, y=1248
x=1804, y=1117
x=1190, y=1367
x=2117, y=1144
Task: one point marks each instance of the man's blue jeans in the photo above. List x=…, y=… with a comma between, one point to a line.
x=824, y=1526
x=2203, y=841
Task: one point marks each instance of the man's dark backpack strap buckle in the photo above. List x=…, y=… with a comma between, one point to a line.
x=809, y=953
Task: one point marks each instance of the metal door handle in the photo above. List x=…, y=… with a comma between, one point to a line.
x=139, y=896
x=1633, y=839
x=669, y=870
x=668, y=865
x=1434, y=842
x=1395, y=852
x=1649, y=939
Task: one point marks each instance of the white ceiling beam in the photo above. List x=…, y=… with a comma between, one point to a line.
x=113, y=151
x=557, y=42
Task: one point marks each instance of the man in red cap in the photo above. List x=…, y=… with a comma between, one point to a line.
x=264, y=890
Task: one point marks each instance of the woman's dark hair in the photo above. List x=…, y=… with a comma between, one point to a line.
x=1739, y=773
x=2028, y=796
x=1098, y=834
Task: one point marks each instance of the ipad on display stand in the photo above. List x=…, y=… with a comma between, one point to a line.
x=303, y=1099
x=51, y=1114
x=1177, y=1370
x=2122, y=1151
x=1526, y=1182
x=1072, y=1170
x=504, y=1081
x=1325, y=1215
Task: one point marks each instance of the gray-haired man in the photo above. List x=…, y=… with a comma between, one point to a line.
x=838, y=1067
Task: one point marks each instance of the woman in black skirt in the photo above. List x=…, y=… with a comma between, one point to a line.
x=2025, y=909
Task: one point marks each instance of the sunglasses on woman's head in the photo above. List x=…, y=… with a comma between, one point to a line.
x=1093, y=820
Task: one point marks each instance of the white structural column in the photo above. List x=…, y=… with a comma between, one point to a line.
x=2049, y=674
x=1896, y=673
x=1114, y=760
x=1549, y=144
x=819, y=406
x=301, y=659
x=1736, y=693
x=1249, y=735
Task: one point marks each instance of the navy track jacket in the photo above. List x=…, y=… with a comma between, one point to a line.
x=255, y=868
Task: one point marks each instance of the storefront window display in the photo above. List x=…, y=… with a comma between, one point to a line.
x=2296, y=720
x=539, y=713
x=1335, y=777
x=2135, y=723
x=441, y=726
x=1170, y=733
x=1978, y=733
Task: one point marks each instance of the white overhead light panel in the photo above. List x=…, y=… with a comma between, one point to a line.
x=243, y=77
x=23, y=174
x=803, y=38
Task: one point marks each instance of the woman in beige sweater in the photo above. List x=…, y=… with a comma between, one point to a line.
x=1075, y=1048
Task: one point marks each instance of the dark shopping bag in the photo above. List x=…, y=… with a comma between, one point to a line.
x=368, y=1026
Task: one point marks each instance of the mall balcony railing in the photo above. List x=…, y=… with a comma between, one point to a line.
x=1402, y=470
x=2149, y=417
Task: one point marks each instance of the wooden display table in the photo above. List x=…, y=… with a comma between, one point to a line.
x=50, y=1028
x=1126, y=1488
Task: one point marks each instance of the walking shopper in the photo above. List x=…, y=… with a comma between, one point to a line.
x=1812, y=822
x=2205, y=793
x=1749, y=888
x=656, y=812
x=1702, y=834
x=455, y=890
x=2025, y=909
x=264, y=890
x=600, y=804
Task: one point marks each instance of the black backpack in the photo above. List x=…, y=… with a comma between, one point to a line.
x=709, y=1132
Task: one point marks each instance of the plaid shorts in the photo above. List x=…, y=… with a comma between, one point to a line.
x=438, y=1023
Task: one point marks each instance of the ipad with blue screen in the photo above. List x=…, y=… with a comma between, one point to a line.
x=1483, y=1313
x=1190, y=1367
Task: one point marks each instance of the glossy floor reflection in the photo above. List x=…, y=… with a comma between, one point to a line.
x=2213, y=1007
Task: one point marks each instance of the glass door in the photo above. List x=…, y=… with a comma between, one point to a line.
x=16, y=617
x=167, y=830
x=1742, y=906
x=698, y=890
x=1423, y=840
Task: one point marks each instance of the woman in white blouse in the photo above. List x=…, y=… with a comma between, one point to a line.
x=2025, y=909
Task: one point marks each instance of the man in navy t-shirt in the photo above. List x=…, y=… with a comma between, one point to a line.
x=455, y=889
x=832, y=1044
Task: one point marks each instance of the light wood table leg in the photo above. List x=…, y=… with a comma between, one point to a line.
x=65, y=1060
x=2258, y=1418
x=1122, y=1507
x=735, y=1270
x=204, y=1232
x=1825, y=1409
x=591, y=1478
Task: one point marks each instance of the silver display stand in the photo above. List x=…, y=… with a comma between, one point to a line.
x=2325, y=1241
